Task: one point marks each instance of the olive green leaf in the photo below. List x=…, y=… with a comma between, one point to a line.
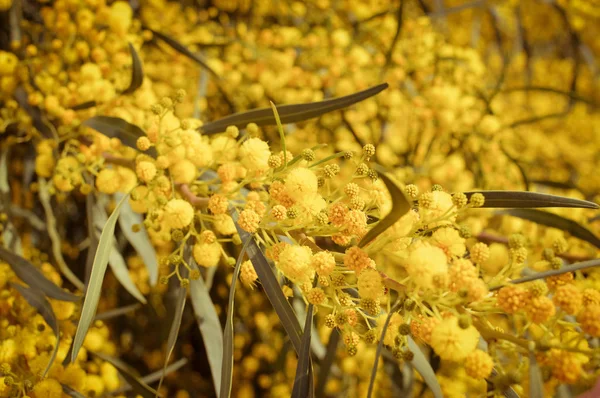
x=303, y=381
x=115, y=127
x=281, y=134
x=400, y=206
x=94, y=288
x=84, y=105
x=380, y=349
x=154, y=376
x=227, y=368
x=536, y=384
x=29, y=274
x=137, y=71
x=290, y=113
x=37, y=117
x=327, y=362
x=209, y=325
x=71, y=392
x=106, y=315
x=130, y=375
x=529, y=200
x=555, y=221
x=37, y=300
x=422, y=365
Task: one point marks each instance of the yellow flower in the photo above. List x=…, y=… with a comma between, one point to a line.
x=479, y=364
x=424, y=263
x=301, y=183
x=450, y=241
x=254, y=154
x=451, y=342
x=108, y=181
x=120, y=17
x=145, y=171
x=8, y=61
x=207, y=254
x=49, y=388
x=178, y=213
x=183, y=172
x=370, y=284
x=294, y=262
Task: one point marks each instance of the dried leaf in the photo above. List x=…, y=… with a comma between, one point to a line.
x=209, y=325
x=130, y=375
x=303, y=381
x=137, y=71
x=290, y=113
x=115, y=127
x=92, y=295
x=400, y=206
x=29, y=274
x=227, y=369
x=37, y=117
x=529, y=200
x=555, y=221
x=43, y=307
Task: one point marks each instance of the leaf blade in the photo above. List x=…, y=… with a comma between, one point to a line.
x=92, y=295
x=115, y=127
x=35, y=113
x=291, y=113
x=423, y=366
x=536, y=385
x=529, y=200
x=137, y=71
x=303, y=381
x=327, y=363
x=130, y=375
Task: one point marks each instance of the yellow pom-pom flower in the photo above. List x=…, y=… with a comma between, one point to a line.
x=451, y=342
x=178, y=213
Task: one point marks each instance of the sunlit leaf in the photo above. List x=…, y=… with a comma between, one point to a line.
x=303, y=381
x=92, y=295
x=422, y=365
x=327, y=362
x=379, y=350
x=36, y=115
x=43, y=307
x=227, y=369
x=290, y=113
x=29, y=274
x=555, y=221
x=130, y=375
x=528, y=200
x=536, y=384
x=137, y=71
x=400, y=206
x=209, y=325
x=139, y=240
x=115, y=127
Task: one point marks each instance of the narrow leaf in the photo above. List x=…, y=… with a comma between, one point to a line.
x=281, y=133
x=154, y=376
x=180, y=299
x=271, y=287
x=303, y=382
x=36, y=115
x=528, y=200
x=137, y=72
x=84, y=105
x=536, y=384
x=400, y=206
x=378, y=352
x=209, y=325
x=106, y=315
x=180, y=48
x=227, y=369
x=130, y=375
x=424, y=368
x=290, y=113
x=92, y=295
x=29, y=274
x=139, y=240
x=43, y=307
x=327, y=363
x=118, y=128
x=71, y=392
x=555, y=221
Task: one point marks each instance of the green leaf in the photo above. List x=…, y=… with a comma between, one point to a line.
x=400, y=206
x=536, y=384
x=303, y=382
x=180, y=48
x=281, y=133
x=29, y=274
x=290, y=113
x=327, y=362
x=529, y=200
x=43, y=307
x=180, y=299
x=154, y=376
x=115, y=127
x=209, y=325
x=269, y=282
x=106, y=315
x=139, y=240
x=379, y=350
x=424, y=368
x=84, y=105
x=130, y=375
x=137, y=72
x=36, y=115
x=555, y=221
x=227, y=369
x=71, y=392
x=92, y=295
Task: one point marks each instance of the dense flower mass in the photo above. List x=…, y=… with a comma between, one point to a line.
x=128, y=141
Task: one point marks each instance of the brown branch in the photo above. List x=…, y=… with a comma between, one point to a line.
x=191, y=197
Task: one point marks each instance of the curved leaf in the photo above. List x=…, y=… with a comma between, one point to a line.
x=536, y=384
x=29, y=274
x=43, y=307
x=379, y=350
x=139, y=240
x=529, y=200
x=303, y=382
x=424, y=368
x=118, y=128
x=71, y=392
x=209, y=325
x=400, y=206
x=227, y=369
x=290, y=113
x=36, y=115
x=137, y=71
x=92, y=295
x=84, y=105
x=555, y=221
x=130, y=375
